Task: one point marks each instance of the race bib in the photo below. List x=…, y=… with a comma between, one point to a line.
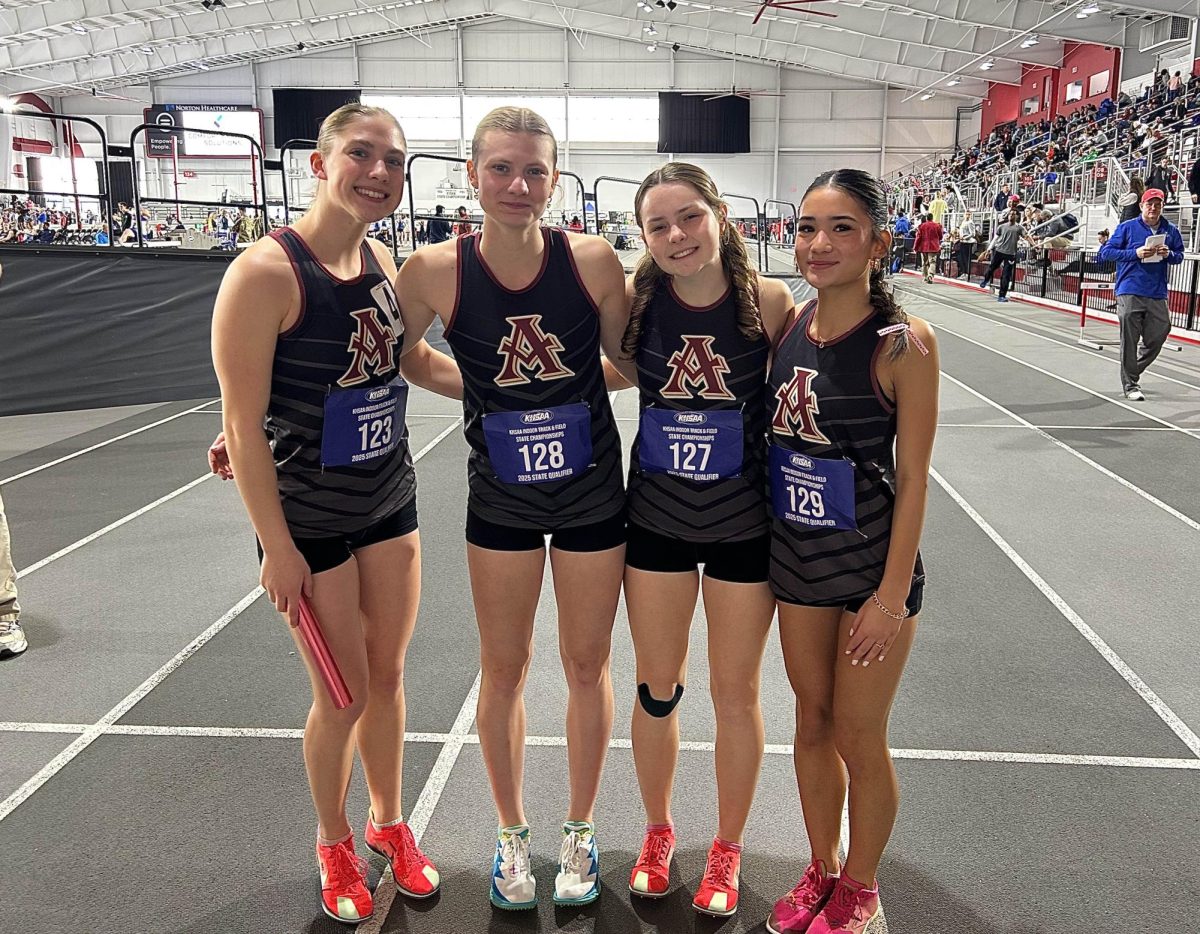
x=811, y=491
x=700, y=446
x=362, y=425
x=539, y=445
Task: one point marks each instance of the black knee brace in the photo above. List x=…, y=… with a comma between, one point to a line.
x=658, y=708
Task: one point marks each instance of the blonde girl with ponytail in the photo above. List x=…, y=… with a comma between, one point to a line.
x=701, y=325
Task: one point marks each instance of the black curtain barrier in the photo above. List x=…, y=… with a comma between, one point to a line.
x=690, y=123
x=299, y=111
x=85, y=329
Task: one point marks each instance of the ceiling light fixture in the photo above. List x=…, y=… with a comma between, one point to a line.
x=79, y=28
x=1090, y=9
x=926, y=95
x=988, y=65
x=953, y=81
x=652, y=47
x=1030, y=42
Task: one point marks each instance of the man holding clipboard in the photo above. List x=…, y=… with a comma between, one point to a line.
x=1138, y=247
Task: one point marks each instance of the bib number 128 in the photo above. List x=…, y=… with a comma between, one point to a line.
x=542, y=456
x=805, y=502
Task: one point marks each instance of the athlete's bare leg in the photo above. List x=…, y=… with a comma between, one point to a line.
x=587, y=586
x=505, y=586
x=660, y=608
x=389, y=593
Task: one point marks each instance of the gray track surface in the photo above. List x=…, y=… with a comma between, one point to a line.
x=1041, y=791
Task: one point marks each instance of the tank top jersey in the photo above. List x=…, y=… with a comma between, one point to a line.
x=843, y=414
x=530, y=349
x=349, y=333
x=707, y=363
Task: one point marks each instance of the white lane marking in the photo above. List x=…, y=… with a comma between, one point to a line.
x=435, y=784
x=1065, y=427
x=1025, y=423
x=1168, y=716
x=432, y=444
x=128, y=434
x=89, y=736
x=1062, y=379
x=1063, y=341
x=472, y=739
x=112, y=525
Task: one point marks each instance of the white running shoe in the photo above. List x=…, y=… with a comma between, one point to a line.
x=513, y=886
x=578, y=879
x=12, y=638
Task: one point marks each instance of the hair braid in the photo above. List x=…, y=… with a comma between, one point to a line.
x=744, y=281
x=883, y=300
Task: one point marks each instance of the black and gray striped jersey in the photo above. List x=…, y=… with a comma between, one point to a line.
x=348, y=338
x=697, y=361
x=534, y=351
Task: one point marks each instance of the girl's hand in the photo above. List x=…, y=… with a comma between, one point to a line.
x=285, y=575
x=871, y=634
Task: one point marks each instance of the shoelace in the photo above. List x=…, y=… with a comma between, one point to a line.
x=6, y=626
x=515, y=852
x=719, y=870
x=570, y=857
x=840, y=908
x=809, y=886
x=655, y=849
x=345, y=867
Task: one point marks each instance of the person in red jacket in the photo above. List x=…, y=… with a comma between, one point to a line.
x=929, y=245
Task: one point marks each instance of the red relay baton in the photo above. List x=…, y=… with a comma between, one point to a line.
x=318, y=650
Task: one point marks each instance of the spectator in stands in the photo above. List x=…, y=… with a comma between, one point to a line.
x=929, y=245
x=968, y=237
x=1130, y=202
x=1003, y=247
x=1175, y=86
x=1141, y=286
x=576, y=224
x=938, y=207
x=1057, y=232
x=1162, y=177
x=463, y=226
x=1000, y=206
x=1194, y=189
x=439, y=228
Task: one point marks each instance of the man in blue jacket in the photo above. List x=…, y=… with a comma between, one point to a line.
x=1141, y=286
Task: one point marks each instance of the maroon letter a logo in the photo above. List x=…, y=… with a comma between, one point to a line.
x=698, y=367
x=372, y=344
x=796, y=408
x=530, y=347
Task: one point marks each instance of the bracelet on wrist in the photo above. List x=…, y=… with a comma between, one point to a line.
x=886, y=612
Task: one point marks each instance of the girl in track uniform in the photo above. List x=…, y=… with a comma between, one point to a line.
x=525, y=309
x=852, y=375
x=700, y=330
x=307, y=342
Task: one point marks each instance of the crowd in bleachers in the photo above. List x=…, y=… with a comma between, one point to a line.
x=1136, y=130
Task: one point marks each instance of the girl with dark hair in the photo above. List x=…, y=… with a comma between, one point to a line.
x=700, y=329
x=851, y=376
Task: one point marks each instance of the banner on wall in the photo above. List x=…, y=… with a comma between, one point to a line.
x=184, y=124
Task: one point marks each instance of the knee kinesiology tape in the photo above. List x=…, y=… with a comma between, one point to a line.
x=655, y=707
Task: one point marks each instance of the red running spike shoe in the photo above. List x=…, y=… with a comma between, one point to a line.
x=344, y=893
x=415, y=875
x=848, y=911
x=794, y=913
x=718, y=892
x=651, y=876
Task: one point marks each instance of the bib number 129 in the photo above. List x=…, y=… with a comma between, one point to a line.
x=542, y=456
x=805, y=502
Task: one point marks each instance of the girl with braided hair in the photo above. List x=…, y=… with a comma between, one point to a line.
x=700, y=329
x=852, y=377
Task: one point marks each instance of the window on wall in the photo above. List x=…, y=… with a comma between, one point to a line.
x=1098, y=83
x=1029, y=106
x=1074, y=91
x=552, y=109
x=424, y=117
x=614, y=119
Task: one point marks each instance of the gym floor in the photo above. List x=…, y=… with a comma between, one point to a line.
x=1045, y=734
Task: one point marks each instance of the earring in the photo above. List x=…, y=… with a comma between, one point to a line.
x=876, y=264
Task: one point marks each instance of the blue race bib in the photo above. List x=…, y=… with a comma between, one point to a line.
x=539, y=445
x=811, y=491
x=701, y=446
x=362, y=425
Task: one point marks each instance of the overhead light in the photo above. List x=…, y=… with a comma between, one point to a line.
x=926, y=95
x=452, y=27
x=652, y=47
x=1029, y=42
x=1082, y=14
x=79, y=28
x=146, y=50
x=953, y=81
x=1090, y=9
x=201, y=66
x=988, y=65
x=650, y=30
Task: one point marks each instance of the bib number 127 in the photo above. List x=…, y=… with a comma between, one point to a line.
x=685, y=454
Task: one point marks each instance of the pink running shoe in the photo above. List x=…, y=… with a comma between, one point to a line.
x=344, y=893
x=718, y=892
x=794, y=913
x=415, y=875
x=651, y=875
x=848, y=911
